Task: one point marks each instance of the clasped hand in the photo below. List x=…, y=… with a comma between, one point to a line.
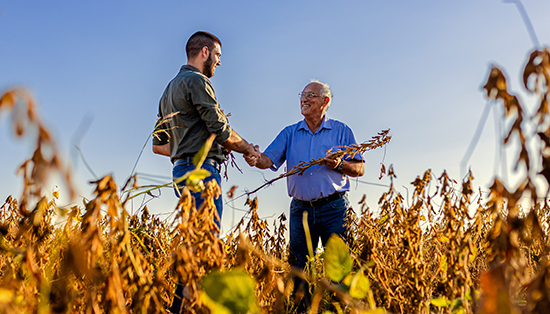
x=254, y=156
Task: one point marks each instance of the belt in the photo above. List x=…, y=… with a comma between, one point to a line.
x=321, y=201
x=189, y=160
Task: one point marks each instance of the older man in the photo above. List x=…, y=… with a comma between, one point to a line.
x=321, y=190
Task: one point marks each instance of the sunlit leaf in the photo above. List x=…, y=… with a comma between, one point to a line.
x=233, y=290
x=473, y=254
x=194, y=179
x=337, y=259
x=440, y=302
x=358, y=284
x=6, y=295
x=443, y=264
x=200, y=156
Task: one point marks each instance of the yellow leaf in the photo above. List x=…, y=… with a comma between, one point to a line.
x=443, y=239
x=440, y=302
x=473, y=253
x=6, y=295
x=443, y=264
x=200, y=156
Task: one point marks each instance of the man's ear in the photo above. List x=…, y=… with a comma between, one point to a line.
x=325, y=104
x=205, y=52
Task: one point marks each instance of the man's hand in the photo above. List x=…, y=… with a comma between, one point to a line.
x=332, y=163
x=352, y=167
x=254, y=156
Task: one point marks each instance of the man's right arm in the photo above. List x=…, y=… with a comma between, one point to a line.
x=237, y=143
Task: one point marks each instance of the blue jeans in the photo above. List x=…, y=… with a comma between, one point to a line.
x=323, y=221
x=180, y=170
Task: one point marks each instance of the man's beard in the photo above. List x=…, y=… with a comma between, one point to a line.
x=207, y=67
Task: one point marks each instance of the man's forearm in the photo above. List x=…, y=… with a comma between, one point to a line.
x=353, y=168
x=237, y=143
x=264, y=162
x=162, y=149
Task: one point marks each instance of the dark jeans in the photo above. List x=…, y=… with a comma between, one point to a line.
x=323, y=221
x=178, y=172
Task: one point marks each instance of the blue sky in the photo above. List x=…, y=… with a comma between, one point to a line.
x=414, y=67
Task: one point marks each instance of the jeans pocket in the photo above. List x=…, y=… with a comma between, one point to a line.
x=295, y=207
x=341, y=203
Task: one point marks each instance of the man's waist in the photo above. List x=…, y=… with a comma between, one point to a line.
x=321, y=201
x=187, y=160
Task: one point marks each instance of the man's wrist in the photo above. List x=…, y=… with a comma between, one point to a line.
x=340, y=166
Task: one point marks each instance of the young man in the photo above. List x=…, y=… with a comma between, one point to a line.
x=190, y=96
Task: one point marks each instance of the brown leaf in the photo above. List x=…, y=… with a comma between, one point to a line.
x=495, y=298
x=231, y=191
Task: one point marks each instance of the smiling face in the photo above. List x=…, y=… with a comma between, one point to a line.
x=214, y=60
x=312, y=104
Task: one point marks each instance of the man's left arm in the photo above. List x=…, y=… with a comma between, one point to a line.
x=161, y=139
x=352, y=167
x=163, y=150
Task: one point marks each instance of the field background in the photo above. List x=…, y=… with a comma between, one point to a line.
x=97, y=70
x=427, y=238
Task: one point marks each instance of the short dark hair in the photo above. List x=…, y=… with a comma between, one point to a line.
x=199, y=40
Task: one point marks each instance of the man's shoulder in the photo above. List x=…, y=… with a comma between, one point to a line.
x=294, y=127
x=337, y=123
x=188, y=73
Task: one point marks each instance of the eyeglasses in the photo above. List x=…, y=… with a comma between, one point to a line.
x=308, y=95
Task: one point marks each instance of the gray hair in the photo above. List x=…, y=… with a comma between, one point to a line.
x=325, y=90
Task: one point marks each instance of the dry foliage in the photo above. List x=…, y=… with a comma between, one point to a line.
x=448, y=252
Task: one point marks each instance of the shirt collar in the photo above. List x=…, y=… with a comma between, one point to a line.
x=326, y=124
x=190, y=67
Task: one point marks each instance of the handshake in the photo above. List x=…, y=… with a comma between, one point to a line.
x=253, y=156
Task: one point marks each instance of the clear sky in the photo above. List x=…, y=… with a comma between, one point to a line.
x=98, y=68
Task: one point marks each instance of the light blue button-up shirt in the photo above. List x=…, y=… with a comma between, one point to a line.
x=297, y=143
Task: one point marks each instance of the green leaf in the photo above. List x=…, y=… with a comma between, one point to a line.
x=198, y=174
x=200, y=156
x=230, y=292
x=359, y=287
x=440, y=302
x=194, y=179
x=338, y=261
x=214, y=306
